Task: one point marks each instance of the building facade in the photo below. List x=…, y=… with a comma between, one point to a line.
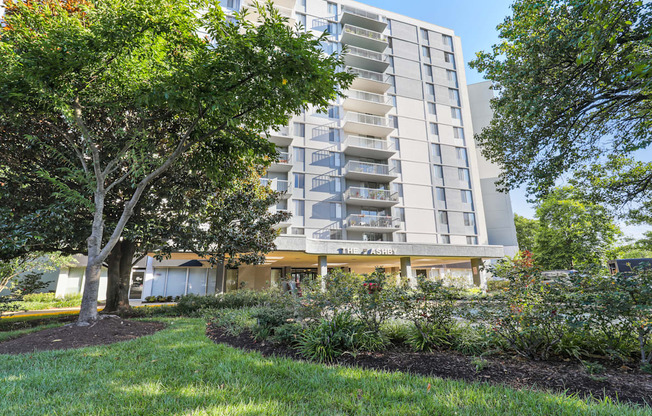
x=388, y=177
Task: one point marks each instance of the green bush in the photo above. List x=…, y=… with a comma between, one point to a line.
x=474, y=340
x=40, y=297
x=288, y=334
x=231, y=300
x=268, y=319
x=396, y=332
x=497, y=285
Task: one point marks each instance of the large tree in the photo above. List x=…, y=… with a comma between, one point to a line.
x=572, y=232
x=112, y=93
x=575, y=83
x=526, y=232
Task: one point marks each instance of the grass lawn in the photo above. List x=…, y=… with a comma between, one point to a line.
x=178, y=371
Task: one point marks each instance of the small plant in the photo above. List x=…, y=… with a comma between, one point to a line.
x=479, y=364
x=396, y=332
x=288, y=334
x=593, y=368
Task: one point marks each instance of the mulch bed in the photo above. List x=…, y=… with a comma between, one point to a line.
x=105, y=331
x=624, y=383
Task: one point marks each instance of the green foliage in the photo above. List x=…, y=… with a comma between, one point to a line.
x=526, y=231
x=231, y=300
x=269, y=319
x=572, y=233
x=28, y=283
x=288, y=334
x=570, y=72
x=495, y=285
x=234, y=321
x=479, y=364
x=396, y=332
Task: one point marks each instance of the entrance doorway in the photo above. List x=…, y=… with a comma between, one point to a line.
x=136, y=288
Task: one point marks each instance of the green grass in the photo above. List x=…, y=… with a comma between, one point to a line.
x=178, y=371
x=42, y=301
x=7, y=335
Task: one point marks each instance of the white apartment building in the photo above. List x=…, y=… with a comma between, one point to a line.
x=388, y=177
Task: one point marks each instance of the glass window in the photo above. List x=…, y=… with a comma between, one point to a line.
x=436, y=149
x=443, y=217
x=399, y=213
x=439, y=172
x=332, y=9
x=299, y=180
x=456, y=113
x=424, y=35
x=301, y=18
x=300, y=129
x=299, y=154
x=447, y=40
x=398, y=188
x=472, y=240
x=452, y=77
x=449, y=57
x=176, y=285
x=441, y=194
x=425, y=51
x=427, y=70
x=333, y=112
x=464, y=177
x=335, y=159
x=393, y=121
x=462, y=155
x=400, y=237
x=197, y=281
x=233, y=4
x=445, y=239
x=396, y=165
x=454, y=96
x=458, y=133
x=333, y=134
x=467, y=197
x=434, y=129
x=335, y=184
x=298, y=231
x=432, y=108
x=430, y=90
x=396, y=142
x=300, y=208
x=336, y=211
x=469, y=219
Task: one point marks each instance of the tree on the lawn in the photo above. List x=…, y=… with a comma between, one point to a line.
x=572, y=232
x=115, y=93
x=526, y=232
x=575, y=82
x=226, y=224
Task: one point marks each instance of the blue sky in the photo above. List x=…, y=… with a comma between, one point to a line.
x=475, y=21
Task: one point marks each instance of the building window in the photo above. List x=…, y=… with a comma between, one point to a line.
x=298, y=231
x=399, y=213
x=300, y=129
x=464, y=177
x=472, y=240
x=300, y=208
x=299, y=180
x=432, y=108
x=441, y=194
x=335, y=184
x=443, y=217
x=447, y=40
x=393, y=121
x=299, y=154
x=449, y=58
x=396, y=143
x=390, y=60
x=424, y=35
x=467, y=196
x=434, y=129
x=401, y=237
x=454, y=96
x=462, y=155
x=427, y=69
x=232, y=4
x=333, y=112
x=430, y=90
x=328, y=46
x=398, y=188
x=469, y=219
x=439, y=172
x=456, y=113
x=452, y=77
x=393, y=98
x=301, y=18
x=436, y=149
x=425, y=51
x=335, y=159
x=333, y=134
x=336, y=211
x=445, y=239
x=332, y=9
x=458, y=133
x=335, y=234
x=396, y=166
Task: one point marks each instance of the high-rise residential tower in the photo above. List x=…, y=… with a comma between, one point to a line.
x=387, y=177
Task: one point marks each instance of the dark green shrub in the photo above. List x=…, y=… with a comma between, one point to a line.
x=288, y=334
x=232, y=300
x=428, y=337
x=497, y=285
x=397, y=333
x=28, y=284
x=475, y=340
x=268, y=319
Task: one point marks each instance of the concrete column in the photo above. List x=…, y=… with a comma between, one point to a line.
x=406, y=271
x=62, y=282
x=322, y=264
x=149, y=278
x=479, y=276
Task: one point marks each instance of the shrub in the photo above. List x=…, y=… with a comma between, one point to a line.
x=28, y=284
x=497, y=285
x=40, y=297
x=234, y=321
x=396, y=332
x=474, y=340
x=330, y=339
x=268, y=319
x=288, y=334
x=374, y=301
x=236, y=299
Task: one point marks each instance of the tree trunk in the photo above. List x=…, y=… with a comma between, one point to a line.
x=88, y=311
x=120, y=261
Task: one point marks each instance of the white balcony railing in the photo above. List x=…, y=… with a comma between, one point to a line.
x=363, y=13
x=370, y=75
x=367, y=119
x=367, y=54
x=369, y=97
x=370, y=34
x=283, y=158
x=371, y=221
x=277, y=185
x=368, y=143
x=371, y=194
x=368, y=167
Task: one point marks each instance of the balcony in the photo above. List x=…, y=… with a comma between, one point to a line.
x=278, y=185
x=368, y=147
x=289, y=4
x=283, y=164
x=377, y=223
x=362, y=18
x=281, y=137
x=367, y=124
x=370, y=197
x=367, y=102
x=284, y=223
x=364, y=38
x=371, y=81
x=366, y=59
x=366, y=171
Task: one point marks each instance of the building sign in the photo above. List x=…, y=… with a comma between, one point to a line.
x=368, y=251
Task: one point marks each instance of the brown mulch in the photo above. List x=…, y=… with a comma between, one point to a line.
x=622, y=383
x=105, y=331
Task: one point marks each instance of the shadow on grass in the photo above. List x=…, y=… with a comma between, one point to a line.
x=180, y=371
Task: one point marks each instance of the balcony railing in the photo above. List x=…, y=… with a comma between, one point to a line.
x=371, y=194
x=283, y=131
x=367, y=119
x=371, y=221
x=283, y=158
x=368, y=143
x=370, y=75
x=366, y=53
x=367, y=167
x=277, y=185
x=358, y=31
x=369, y=97
x=362, y=13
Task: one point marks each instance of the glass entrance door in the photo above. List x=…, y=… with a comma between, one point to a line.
x=136, y=288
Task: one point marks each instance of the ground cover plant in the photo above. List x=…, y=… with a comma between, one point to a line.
x=179, y=371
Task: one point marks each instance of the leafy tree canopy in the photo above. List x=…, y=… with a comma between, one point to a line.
x=526, y=232
x=570, y=73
